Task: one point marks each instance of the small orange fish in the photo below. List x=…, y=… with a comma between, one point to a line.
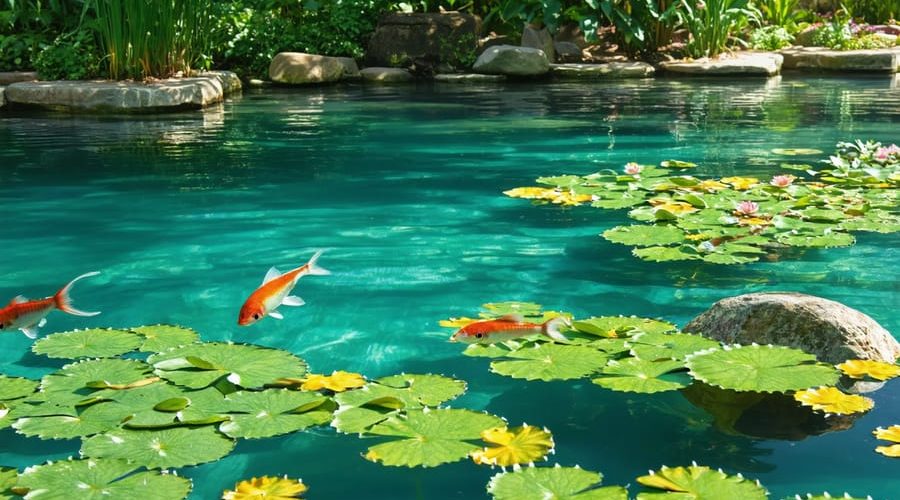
x=508, y=328
x=275, y=291
x=29, y=315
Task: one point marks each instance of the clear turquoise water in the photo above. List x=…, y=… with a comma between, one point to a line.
x=184, y=214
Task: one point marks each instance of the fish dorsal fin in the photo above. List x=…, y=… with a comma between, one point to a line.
x=18, y=299
x=512, y=318
x=272, y=274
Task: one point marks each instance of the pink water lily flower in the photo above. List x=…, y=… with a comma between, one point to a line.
x=746, y=208
x=882, y=154
x=633, y=168
x=782, y=181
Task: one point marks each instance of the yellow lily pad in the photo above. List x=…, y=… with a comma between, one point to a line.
x=676, y=208
x=709, y=185
x=861, y=368
x=519, y=445
x=741, y=183
x=892, y=433
x=832, y=400
x=530, y=193
x=338, y=381
x=266, y=487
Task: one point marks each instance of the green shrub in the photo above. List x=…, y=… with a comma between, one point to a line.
x=17, y=51
x=73, y=56
x=713, y=24
x=770, y=38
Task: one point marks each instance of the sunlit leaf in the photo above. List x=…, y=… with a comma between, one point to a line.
x=530, y=193
x=834, y=239
x=676, y=164
x=653, y=346
x=273, y=412
x=832, y=400
x=519, y=445
x=862, y=368
x=796, y=152
x=73, y=379
x=550, y=362
x=892, y=434
x=199, y=365
x=158, y=338
x=644, y=235
x=338, y=381
x=8, y=479
x=760, y=369
x=741, y=183
x=15, y=387
x=429, y=438
x=266, y=488
x=93, y=343
x=700, y=483
x=563, y=483
x=497, y=309
x=663, y=254
x=457, y=322
x=100, y=479
x=641, y=376
x=622, y=326
x=177, y=447
x=92, y=420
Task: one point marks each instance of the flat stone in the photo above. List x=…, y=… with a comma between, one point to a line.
x=740, y=63
x=611, y=70
x=386, y=75
x=8, y=77
x=468, y=78
x=512, y=61
x=298, y=68
x=818, y=58
x=830, y=330
x=351, y=70
x=126, y=96
x=2, y=97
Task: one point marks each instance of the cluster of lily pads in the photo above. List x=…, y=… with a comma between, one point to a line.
x=735, y=220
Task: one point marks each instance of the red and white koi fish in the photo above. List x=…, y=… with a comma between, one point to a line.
x=29, y=315
x=509, y=327
x=275, y=291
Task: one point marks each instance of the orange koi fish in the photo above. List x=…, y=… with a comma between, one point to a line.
x=29, y=315
x=508, y=328
x=275, y=291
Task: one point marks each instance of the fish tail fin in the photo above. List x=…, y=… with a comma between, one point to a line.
x=551, y=328
x=64, y=301
x=313, y=268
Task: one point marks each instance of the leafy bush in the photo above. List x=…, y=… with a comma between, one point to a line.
x=843, y=33
x=781, y=12
x=73, y=56
x=770, y=38
x=873, y=11
x=713, y=24
x=16, y=51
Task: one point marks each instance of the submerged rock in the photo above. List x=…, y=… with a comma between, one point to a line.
x=300, y=68
x=634, y=69
x=830, y=330
x=513, y=61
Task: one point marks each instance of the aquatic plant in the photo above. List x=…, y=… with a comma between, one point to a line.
x=868, y=368
x=268, y=487
x=96, y=479
x=514, y=446
x=735, y=220
x=891, y=434
x=832, y=400
x=698, y=481
x=539, y=483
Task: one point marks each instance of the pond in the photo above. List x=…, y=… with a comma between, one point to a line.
x=402, y=187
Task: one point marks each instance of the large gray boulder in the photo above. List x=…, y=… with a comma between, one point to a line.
x=828, y=329
x=818, y=58
x=740, y=63
x=512, y=61
x=351, y=70
x=297, y=68
x=433, y=36
x=539, y=39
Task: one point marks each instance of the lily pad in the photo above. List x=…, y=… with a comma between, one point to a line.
x=15, y=387
x=429, y=438
x=73, y=379
x=165, y=448
x=760, y=369
x=663, y=254
x=8, y=479
x=99, y=479
x=862, y=368
x=891, y=434
x=644, y=236
x=519, y=445
x=551, y=362
x=93, y=343
x=832, y=400
x=622, y=326
x=92, y=420
x=676, y=164
x=266, y=487
x=834, y=239
x=158, y=338
x=563, y=483
x=274, y=412
x=796, y=152
x=700, y=483
x=200, y=365
x=637, y=375
x=653, y=346
x=497, y=309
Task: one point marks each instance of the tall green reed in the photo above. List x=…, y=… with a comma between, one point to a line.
x=152, y=38
x=713, y=24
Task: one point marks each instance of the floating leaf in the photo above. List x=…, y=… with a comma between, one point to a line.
x=93, y=343
x=542, y=483
x=550, y=362
x=676, y=164
x=485, y=350
x=700, y=482
x=273, y=412
x=153, y=449
x=497, y=309
x=760, y=369
x=429, y=438
x=834, y=239
x=158, y=338
x=338, y=381
x=74, y=379
x=200, y=365
x=653, y=346
x=663, y=254
x=266, y=488
x=519, y=445
x=15, y=387
x=796, y=152
x=622, y=326
x=741, y=183
x=637, y=375
x=424, y=390
x=100, y=479
x=862, y=368
x=644, y=236
x=92, y=420
x=832, y=400
x=892, y=434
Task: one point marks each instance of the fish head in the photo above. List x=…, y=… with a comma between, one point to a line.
x=250, y=313
x=467, y=337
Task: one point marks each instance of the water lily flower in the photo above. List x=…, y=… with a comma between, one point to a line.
x=633, y=168
x=884, y=153
x=746, y=208
x=782, y=181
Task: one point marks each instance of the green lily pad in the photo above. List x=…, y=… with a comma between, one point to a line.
x=663, y=254
x=274, y=412
x=760, y=369
x=654, y=346
x=177, y=447
x=8, y=479
x=15, y=387
x=92, y=420
x=429, y=437
x=73, y=379
x=644, y=236
x=485, y=350
x=622, y=199
x=200, y=365
x=727, y=259
x=158, y=338
x=551, y=362
x=641, y=376
x=95, y=479
x=497, y=309
x=699, y=482
x=563, y=483
x=796, y=151
x=93, y=343
x=834, y=239
x=358, y=419
x=676, y=164
x=619, y=326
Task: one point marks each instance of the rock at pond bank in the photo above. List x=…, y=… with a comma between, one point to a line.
x=126, y=96
x=8, y=77
x=386, y=75
x=875, y=60
x=468, y=78
x=740, y=63
x=828, y=329
x=351, y=70
x=539, y=39
x=512, y=61
x=602, y=71
x=298, y=68
x=427, y=36
x=568, y=52
x=2, y=97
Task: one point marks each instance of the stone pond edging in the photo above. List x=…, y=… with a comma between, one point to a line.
x=612, y=70
x=125, y=96
x=8, y=77
x=2, y=97
x=738, y=63
x=822, y=59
